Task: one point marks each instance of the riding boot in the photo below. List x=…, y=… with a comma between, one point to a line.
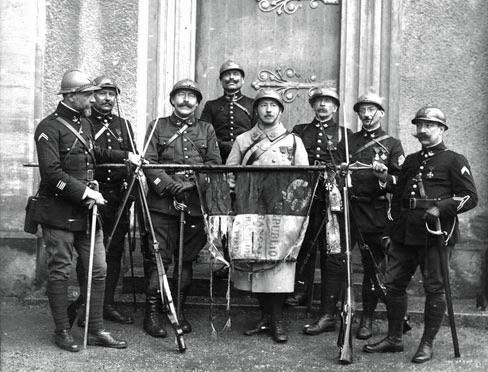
x=264, y=324
x=186, y=277
x=370, y=301
x=435, y=307
x=329, y=295
x=396, y=308
x=277, y=325
x=110, y=312
x=152, y=323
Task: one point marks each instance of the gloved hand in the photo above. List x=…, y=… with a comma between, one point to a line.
x=380, y=171
x=431, y=215
x=178, y=187
x=136, y=159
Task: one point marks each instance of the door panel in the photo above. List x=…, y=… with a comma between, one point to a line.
x=287, y=52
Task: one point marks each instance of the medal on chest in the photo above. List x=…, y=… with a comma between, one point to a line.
x=430, y=174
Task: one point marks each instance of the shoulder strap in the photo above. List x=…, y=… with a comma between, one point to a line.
x=372, y=142
x=259, y=151
x=202, y=156
x=78, y=135
x=246, y=111
x=173, y=138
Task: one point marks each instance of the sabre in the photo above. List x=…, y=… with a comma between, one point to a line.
x=93, y=185
x=182, y=208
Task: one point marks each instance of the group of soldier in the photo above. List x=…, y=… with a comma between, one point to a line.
x=393, y=200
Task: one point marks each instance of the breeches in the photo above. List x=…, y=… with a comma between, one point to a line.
x=403, y=261
x=60, y=249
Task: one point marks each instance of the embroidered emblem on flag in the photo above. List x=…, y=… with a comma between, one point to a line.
x=41, y=136
x=61, y=185
x=157, y=181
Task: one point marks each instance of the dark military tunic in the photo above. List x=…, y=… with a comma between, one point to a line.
x=230, y=116
x=111, y=132
x=447, y=182
x=196, y=145
x=368, y=197
x=434, y=176
x=66, y=166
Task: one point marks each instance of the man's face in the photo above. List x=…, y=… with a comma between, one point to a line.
x=185, y=102
x=104, y=100
x=370, y=116
x=324, y=108
x=429, y=133
x=268, y=111
x=81, y=101
x=232, y=81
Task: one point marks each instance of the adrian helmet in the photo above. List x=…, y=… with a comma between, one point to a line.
x=324, y=92
x=76, y=81
x=186, y=84
x=268, y=94
x=430, y=113
x=104, y=82
x=230, y=65
x=367, y=98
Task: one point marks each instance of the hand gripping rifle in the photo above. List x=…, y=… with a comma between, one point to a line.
x=344, y=340
x=441, y=247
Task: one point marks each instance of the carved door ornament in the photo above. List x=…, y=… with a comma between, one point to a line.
x=289, y=89
x=289, y=6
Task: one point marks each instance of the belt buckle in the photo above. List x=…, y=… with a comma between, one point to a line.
x=412, y=203
x=89, y=175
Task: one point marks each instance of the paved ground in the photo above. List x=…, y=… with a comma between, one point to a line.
x=27, y=345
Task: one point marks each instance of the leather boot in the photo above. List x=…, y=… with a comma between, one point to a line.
x=101, y=337
x=64, y=340
x=396, y=308
x=110, y=312
x=186, y=277
x=424, y=353
x=435, y=307
x=152, y=319
x=278, y=330
x=370, y=301
x=264, y=324
x=326, y=323
x=365, y=329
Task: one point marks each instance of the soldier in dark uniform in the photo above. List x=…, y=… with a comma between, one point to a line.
x=320, y=138
x=177, y=139
x=111, y=132
x=230, y=115
x=67, y=158
x=435, y=183
x=368, y=199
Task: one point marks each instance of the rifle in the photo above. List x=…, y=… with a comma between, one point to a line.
x=344, y=340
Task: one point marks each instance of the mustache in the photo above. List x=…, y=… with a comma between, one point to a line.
x=420, y=136
x=185, y=104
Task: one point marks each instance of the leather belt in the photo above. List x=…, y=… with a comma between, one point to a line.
x=366, y=199
x=415, y=203
x=83, y=175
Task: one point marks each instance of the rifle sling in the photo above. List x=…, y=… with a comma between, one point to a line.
x=372, y=142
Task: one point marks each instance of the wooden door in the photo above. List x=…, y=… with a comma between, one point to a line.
x=287, y=49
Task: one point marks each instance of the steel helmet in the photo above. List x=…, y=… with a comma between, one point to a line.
x=430, y=113
x=104, y=82
x=230, y=65
x=76, y=81
x=186, y=84
x=369, y=97
x=323, y=92
x=269, y=94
